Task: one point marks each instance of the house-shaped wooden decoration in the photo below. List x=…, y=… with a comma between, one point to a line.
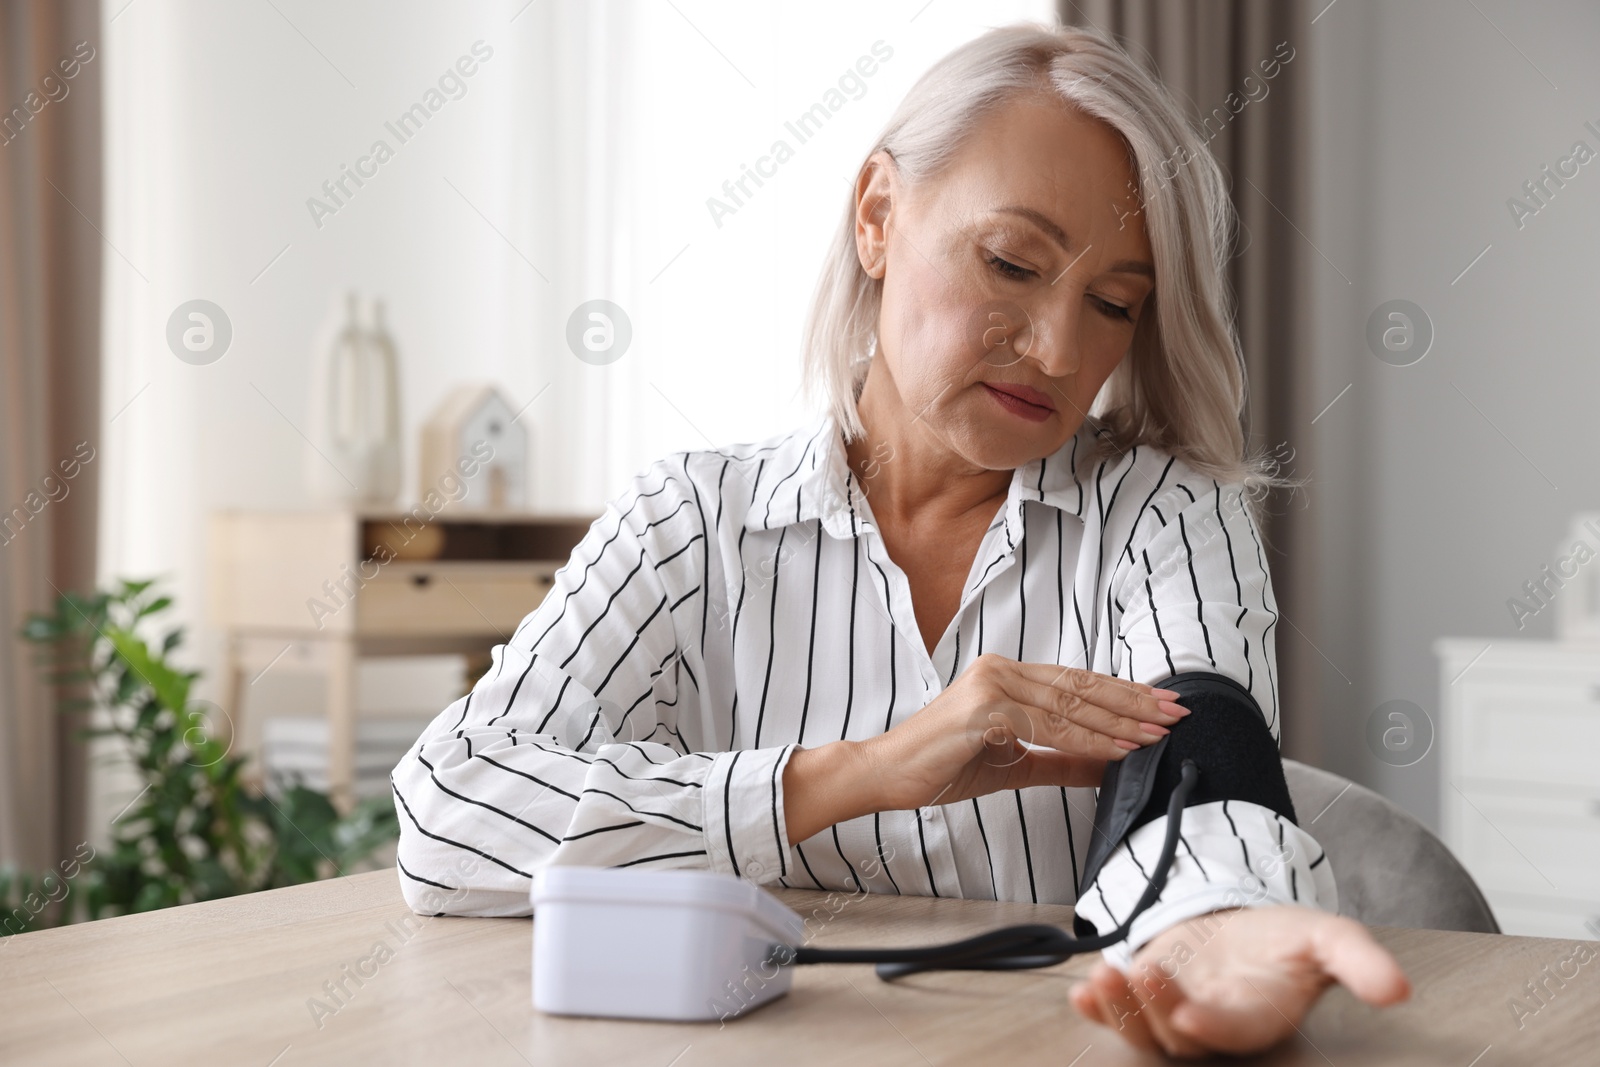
x=473, y=455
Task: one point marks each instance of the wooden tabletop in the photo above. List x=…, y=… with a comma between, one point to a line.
x=237, y=982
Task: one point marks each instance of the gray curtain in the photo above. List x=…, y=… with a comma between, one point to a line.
x=1202, y=50
x=50, y=253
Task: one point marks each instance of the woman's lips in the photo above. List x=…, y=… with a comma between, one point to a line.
x=1021, y=400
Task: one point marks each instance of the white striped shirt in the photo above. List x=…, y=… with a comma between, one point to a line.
x=735, y=603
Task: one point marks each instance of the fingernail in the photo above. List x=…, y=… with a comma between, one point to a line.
x=1173, y=709
x=1166, y=693
x=1152, y=728
x=1120, y=743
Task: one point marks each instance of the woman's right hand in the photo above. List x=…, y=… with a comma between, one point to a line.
x=969, y=741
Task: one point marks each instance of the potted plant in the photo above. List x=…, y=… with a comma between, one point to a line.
x=195, y=831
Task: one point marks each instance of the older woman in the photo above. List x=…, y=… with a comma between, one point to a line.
x=896, y=648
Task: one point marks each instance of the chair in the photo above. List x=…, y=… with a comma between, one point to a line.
x=1389, y=869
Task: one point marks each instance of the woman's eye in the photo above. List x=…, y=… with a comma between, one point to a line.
x=1110, y=310
x=1009, y=269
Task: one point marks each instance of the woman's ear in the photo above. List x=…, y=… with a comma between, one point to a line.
x=873, y=202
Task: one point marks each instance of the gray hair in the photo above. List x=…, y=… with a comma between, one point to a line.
x=1181, y=388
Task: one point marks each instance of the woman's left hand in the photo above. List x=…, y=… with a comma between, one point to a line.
x=1237, y=981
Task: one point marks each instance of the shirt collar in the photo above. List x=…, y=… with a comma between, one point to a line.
x=807, y=477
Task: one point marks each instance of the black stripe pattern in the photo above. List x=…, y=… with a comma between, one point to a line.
x=732, y=604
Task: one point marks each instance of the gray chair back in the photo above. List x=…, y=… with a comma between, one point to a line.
x=1389, y=869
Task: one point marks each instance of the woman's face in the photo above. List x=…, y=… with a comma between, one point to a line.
x=1023, y=266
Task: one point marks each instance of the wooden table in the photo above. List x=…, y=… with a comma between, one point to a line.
x=229, y=982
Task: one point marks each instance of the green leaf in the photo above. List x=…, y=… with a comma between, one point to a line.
x=371, y=824
x=42, y=628
x=171, y=686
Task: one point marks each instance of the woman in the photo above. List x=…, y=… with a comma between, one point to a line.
x=895, y=649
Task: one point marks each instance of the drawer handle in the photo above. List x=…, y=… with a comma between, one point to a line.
x=421, y=581
x=550, y=579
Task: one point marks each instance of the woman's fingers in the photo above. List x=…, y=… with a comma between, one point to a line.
x=1077, y=688
x=1133, y=700
x=1041, y=718
x=1141, y=1009
x=1120, y=1008
x=1015, y=711
x=1161, y=998
x=1014, y=717
x=1083, y=998
x=1348, y=953
x=1060, y=715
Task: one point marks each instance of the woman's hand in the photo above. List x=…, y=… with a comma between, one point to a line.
x=969, y=741
x=1237, y=981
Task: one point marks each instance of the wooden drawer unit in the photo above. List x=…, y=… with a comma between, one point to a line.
x=302, y=572
x=457, y=599
x=1519, y=737
x=337, y=585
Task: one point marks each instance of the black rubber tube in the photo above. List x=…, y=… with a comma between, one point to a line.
x=1014, y=947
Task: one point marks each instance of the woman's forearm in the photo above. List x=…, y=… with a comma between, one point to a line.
x=826, y=785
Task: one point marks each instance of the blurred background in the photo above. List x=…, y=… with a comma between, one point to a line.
x=340, y=322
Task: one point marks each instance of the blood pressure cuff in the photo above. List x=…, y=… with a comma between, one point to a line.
x=1229, y=740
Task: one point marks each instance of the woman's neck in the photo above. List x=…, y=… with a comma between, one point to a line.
x=910, y=474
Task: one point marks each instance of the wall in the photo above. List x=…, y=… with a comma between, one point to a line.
x=1441, y=487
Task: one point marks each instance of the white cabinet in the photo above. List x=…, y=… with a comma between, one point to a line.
x=1519, y=741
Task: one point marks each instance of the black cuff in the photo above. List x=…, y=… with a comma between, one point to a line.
x=1225, y=734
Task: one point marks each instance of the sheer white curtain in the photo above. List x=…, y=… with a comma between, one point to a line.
x=718, y=291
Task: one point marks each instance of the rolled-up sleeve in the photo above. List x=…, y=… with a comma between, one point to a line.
x=1196, y=595
x=571, y=748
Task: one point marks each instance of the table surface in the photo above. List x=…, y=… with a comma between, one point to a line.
x=234, y=982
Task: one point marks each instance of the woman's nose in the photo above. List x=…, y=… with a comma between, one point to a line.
x=1054, y=343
